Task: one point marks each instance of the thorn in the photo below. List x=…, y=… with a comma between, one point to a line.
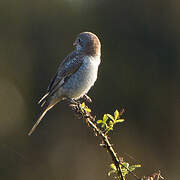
x=102, y=145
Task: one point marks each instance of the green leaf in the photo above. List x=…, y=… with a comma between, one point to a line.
x=111, y=128
x=103, y=125
x=111, y=172
x=123, y=169
x=99, y=121
x=83, y=105
x=130, y=168
x=112, y=166
x=119, y=120
x=87, y=109
x=133, y=167
x=125, y=164
x=105, y=118
x=116, y=114
x=110, y=116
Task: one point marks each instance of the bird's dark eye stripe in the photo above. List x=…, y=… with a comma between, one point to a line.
x=79, y=40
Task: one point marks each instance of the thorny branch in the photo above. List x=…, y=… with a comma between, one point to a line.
x=90, y=120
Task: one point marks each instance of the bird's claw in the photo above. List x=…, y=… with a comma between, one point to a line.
x=87, y=98
x=72, y=101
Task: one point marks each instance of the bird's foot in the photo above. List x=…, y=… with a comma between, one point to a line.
x=87, y=98
x=72, y=101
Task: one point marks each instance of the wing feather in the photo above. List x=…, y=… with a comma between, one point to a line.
x=68, y=67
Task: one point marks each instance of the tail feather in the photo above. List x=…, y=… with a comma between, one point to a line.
x=43, y=98
x=47, y=106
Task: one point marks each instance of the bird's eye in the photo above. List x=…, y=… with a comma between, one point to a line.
x=79, y=40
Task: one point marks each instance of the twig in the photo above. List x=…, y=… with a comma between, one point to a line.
x=108, y=146
x=156, y=175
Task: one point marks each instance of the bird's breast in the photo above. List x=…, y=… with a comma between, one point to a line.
x=83, y=79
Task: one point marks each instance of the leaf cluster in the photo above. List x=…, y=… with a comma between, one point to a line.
x=125, y=168
x=108, y=121
x=85, y=108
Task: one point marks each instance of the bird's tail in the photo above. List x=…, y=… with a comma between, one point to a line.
x=46, y=107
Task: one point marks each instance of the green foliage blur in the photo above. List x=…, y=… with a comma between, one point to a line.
x=139, y=72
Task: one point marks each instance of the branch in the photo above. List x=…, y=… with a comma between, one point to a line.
x=85, y=114
x=90, y=120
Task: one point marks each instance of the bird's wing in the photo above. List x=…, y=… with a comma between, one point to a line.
x=68, y=67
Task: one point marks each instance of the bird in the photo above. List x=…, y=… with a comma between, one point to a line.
x=75, y=75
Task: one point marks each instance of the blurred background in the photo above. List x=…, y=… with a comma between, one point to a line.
x=139, y=72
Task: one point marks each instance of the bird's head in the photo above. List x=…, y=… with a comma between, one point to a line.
x=88, y=43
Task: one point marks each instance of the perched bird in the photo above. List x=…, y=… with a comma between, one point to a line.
x=75, y=75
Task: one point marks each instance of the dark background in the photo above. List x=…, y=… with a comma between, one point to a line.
x=139, y=72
